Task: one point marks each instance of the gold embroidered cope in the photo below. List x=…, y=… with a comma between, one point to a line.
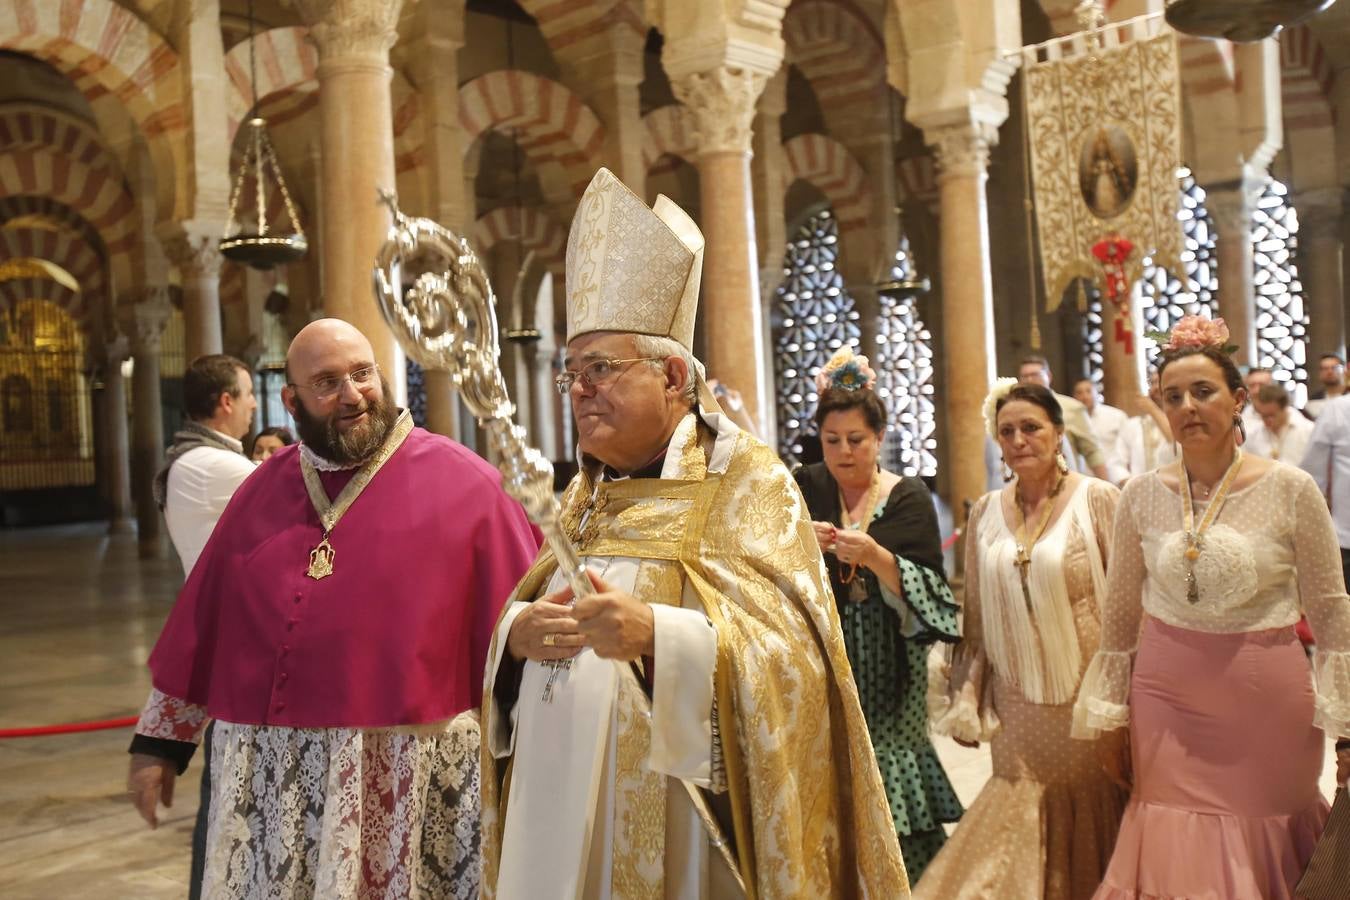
x=808, y=813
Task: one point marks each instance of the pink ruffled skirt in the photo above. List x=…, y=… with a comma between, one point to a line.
x=1226, y=762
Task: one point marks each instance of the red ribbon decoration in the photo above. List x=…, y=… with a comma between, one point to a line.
x=1112, y=252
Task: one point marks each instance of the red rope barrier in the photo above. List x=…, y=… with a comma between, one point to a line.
x=951, y=540
x=69, y=728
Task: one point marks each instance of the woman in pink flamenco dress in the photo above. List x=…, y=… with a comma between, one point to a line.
x=1200, y=684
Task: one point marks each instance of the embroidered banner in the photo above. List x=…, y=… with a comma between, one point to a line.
x=1105, y=140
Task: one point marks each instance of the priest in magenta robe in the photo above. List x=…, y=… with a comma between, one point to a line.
x=336, y=628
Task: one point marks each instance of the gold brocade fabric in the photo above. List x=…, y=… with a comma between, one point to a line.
x=809, y=816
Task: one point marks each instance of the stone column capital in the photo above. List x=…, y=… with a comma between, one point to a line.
x=961, y=150
x=343, y=29
x=196, y=252
x=143, y=321
x=1230, y=204
x=722, y=104
x=1319, y=213
x=116, y=350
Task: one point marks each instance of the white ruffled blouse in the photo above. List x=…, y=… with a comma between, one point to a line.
x=1271, y=556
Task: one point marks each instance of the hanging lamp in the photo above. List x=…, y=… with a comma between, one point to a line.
x=264, y=246
x=1240, y=20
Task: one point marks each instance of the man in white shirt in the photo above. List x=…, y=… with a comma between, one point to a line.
x=1106, y=422
x=1079, y=438
x=202, y=469
x=1331, y=375
x=1145, y=440
x=1256, y=378
x=1327, y=460
x=206, y=462
x=1283, y=434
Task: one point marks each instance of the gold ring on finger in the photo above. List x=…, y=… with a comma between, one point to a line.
x=550, y=639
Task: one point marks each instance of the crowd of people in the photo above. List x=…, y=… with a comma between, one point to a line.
x=410, y=696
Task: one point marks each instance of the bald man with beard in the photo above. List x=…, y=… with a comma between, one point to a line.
x=336, y=628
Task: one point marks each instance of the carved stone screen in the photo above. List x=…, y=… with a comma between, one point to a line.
x=1281, y=322
x=904, y=366
x=812, y=317
x=1163, y=296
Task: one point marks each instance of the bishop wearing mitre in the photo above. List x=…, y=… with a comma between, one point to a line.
x=691, y=728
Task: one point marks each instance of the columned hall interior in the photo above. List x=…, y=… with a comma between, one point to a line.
x=861, y=169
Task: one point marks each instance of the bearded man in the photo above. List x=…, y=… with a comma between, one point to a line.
x=706, y=739
x=335, y=628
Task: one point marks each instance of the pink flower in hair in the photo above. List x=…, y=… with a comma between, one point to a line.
x=1194, y=332
x=845, y=371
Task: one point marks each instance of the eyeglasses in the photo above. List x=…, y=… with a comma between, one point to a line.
x=596, y=374
x=330, y=385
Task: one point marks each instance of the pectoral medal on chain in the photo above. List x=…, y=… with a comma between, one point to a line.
x=321, y=560
x=330, y=512
x=1195, y=536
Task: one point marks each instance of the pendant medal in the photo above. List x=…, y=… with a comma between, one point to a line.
x=321, y=560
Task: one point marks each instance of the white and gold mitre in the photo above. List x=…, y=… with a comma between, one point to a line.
x=630, y=268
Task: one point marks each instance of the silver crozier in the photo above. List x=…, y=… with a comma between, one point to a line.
x=447, y=321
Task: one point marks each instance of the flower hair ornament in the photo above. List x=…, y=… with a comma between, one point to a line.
x=846, y=372
x=1194, y=332
x=1000, y=390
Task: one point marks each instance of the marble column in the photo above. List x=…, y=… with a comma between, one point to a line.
x=722, y=103
x=1320, y=270
x=1231, y=207
x=196, y=253
x=434, y=63
x=962, y=153
x=144, y=323
x=114, y=437
x=768, y=169
x=357, y=145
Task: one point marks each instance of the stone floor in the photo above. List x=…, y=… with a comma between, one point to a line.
x=80, y=613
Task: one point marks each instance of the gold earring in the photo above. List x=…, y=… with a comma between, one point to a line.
x=1007, y=471
x=1061, y=463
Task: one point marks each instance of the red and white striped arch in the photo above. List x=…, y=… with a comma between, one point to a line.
x=667, y=131
x=288, y=88
x=29, y=126
x=16, y=290
x=95, y=193
x=45, y=212
x=1305, y=81
x=108, y=50
x=532, y=228
x=839, y=51
x=287, y=64
x=825, y=163
x=62, y=248
x=917, y=176
x=559, y=133
x=567, y=23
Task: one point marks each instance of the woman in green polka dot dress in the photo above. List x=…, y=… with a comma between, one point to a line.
x=879, y=533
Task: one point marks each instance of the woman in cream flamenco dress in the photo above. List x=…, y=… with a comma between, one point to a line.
x=1036, y=557
x=1200, y=673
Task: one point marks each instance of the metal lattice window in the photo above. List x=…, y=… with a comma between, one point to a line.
x=904, y=366
x=1090, y=315
x=417, y=394
x=813, y=316
x=1163, y=297
x=1281, y=320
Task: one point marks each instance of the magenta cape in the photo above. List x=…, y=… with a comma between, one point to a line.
x=397, y=635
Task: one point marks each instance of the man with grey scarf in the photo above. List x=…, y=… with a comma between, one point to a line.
x=202, y=469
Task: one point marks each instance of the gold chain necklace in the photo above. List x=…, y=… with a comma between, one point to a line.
x=863, y=521
x=1022, y=561
x=331, y=512
x=1195, y=536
